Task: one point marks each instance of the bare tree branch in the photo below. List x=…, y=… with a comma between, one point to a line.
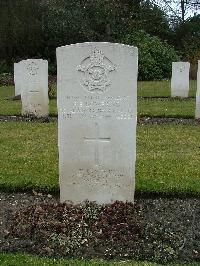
x=179, y=8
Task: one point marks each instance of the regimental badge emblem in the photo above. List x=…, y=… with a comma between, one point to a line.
x=95, y=70
x=32, y=68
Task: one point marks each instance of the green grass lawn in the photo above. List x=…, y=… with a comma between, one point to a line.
x=10, y=107
x=156, y=108
x=161, y=88
x=29, y=155
x=146, y=107
x=167, y=157
x=30, y=260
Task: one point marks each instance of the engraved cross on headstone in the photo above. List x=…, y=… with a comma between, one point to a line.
x=97, y=140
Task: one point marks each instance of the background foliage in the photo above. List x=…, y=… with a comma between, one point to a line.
x=155, y=56
x=34, y=28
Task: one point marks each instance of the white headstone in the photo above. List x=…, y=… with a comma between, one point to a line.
x=197, y=112
x=34, y=87
x=97, y=113
x=180, y=79
x=17, y=78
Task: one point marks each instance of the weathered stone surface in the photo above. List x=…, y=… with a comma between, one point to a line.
x=180, y=79
x=17, y=78
x=34, y=87
x=97, y=109
x=197, y=112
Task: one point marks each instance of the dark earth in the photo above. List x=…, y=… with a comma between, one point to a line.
x=166, y=98
x=140, y=120
x=153, y=229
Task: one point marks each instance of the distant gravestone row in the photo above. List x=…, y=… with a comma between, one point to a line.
x=97, y=115
x=180, y=79
x=31, y=82
x=180, y=82
x=197, y=112
x=17, y=78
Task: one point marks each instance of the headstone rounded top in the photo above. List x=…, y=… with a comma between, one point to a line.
x=125, y=46
x=181, y=62
x=34, y=61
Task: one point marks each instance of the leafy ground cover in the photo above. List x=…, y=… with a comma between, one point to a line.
x=167, y=157
x=21, y=259
x=146, y=107
x=157, y=230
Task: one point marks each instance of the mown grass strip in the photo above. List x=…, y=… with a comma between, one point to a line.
x=176, y=108
x=161, y=88
x=146, y=107
x=167, y=158
x=22, y=259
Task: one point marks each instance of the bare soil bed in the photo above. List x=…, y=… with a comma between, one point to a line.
x=154, y=229
x=141, y=120
x=166, y=98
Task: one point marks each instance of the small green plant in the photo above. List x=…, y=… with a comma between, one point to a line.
x=52, y=91
x=6, y=79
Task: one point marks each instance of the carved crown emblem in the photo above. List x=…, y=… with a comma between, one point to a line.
x=96, y=68
x=32, y=68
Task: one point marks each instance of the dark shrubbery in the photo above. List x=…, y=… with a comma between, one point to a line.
x=34, y=28
x=6, y=79
x=155, y=56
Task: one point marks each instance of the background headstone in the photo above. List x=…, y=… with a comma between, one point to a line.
x=97, y=113
x=180, y=79
x=34, y=87
x=17, y=78
x=197, y=112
